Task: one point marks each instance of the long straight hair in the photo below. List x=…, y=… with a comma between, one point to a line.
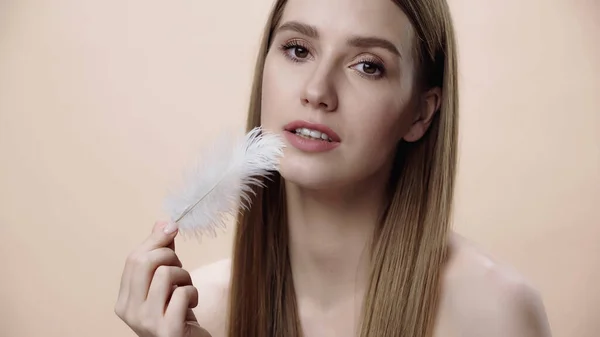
x=410, y=243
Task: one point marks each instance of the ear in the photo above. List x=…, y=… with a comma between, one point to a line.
x=428, y=106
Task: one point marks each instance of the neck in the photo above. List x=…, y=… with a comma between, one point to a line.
x=330, y=233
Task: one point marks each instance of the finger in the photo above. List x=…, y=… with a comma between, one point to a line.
x=155, y=240
x=143, y=272
x=137, y=259
x=133, y=259
x=159, y=238
x=163, y=256
x=190, y=316
x=161, y=289
x=171, y=227
x=183, y=299
x=171, y=245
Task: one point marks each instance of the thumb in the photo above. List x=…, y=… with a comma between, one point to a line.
x=166, y=227
x=192, y=326
x=163, y=235
x=193, y=329
x=190, y=317
x=170, y=229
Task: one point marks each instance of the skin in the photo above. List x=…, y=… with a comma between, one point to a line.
x=480, y=297
x=367, y=95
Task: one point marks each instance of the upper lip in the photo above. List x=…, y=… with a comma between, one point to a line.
x=313, y=126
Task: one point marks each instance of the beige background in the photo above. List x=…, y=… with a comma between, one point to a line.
x=103, y=103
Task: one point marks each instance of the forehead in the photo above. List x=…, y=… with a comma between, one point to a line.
x=344, y=18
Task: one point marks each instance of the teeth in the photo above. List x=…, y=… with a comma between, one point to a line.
x=308, y=133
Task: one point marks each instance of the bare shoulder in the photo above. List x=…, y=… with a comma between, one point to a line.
x=212, y=282
x=482, y=297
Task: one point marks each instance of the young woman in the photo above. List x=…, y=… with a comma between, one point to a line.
x=353, y=236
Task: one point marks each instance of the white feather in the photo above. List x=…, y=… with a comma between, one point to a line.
x=221, y=184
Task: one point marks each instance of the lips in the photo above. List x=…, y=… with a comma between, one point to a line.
x=291, y=127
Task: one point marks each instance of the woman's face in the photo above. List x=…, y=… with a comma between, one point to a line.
x=339, y=84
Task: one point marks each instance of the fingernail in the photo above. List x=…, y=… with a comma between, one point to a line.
x=170, y=228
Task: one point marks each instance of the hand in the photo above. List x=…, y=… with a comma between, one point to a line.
x=156, y=296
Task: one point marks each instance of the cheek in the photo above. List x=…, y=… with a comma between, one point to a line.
x=379, y=127
x=380, y=124
x=269, y=101
x=277, y=93
x=379, y=138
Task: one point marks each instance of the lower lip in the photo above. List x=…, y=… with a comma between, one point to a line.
x=309, y=144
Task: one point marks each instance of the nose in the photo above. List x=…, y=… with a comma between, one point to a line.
x=319, y=92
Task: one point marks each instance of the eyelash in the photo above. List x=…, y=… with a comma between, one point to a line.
x=286, y=47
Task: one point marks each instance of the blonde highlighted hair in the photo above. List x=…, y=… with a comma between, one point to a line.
x=409, y=246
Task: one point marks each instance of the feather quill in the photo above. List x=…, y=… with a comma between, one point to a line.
x=221, y=184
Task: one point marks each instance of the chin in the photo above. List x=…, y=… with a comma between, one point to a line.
x=310, y=174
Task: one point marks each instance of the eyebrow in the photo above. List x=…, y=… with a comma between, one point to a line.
x=355, y=41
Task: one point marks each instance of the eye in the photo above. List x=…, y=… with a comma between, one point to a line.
x=370, y=68
x=295, y=50
x=300, y=52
